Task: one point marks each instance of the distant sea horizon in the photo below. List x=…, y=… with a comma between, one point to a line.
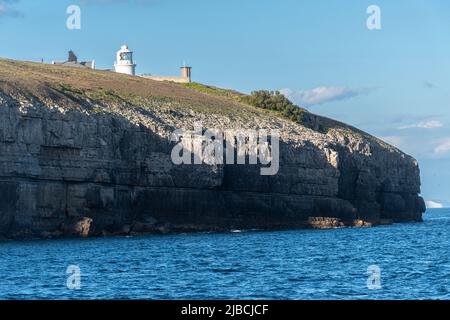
x=400, y=261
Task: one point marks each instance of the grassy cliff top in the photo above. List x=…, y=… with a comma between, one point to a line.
x=39, y=79
x=72, y=86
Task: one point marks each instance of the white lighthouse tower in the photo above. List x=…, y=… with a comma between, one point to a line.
x=124, y=62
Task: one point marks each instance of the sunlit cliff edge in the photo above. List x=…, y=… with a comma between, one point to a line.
x=87, y=153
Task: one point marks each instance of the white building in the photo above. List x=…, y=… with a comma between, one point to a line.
x=124, y=62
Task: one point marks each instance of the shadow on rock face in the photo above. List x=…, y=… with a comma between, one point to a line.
x=80, y=172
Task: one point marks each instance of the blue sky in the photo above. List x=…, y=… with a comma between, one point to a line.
x=393, y=83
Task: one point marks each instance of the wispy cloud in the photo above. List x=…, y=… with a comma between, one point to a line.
x=431, y=124
x=443, y=147
x=321, y=95
x=7, y=9
x=433, y=204
x=430, y=145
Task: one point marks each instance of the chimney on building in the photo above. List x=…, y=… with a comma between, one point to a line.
x=186, y=73
x=72, y=57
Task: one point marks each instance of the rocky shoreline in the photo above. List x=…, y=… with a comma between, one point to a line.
x=84, y=228
x=92, y=157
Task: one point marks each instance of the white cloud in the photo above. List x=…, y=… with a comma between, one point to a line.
x=443, y=147
x=321, y=95
x=433, y=204
x=431, y=124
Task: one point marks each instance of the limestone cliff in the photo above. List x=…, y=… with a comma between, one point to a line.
x=85, y=152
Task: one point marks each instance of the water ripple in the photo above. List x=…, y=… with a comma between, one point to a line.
x=304, y=264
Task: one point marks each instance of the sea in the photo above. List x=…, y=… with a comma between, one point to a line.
x=400, y=261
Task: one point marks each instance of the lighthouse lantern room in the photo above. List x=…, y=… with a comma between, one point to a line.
x=124, y=63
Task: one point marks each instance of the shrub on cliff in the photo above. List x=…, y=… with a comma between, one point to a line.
x=275, y=101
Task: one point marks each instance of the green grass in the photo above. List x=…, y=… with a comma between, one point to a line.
x=268, y=102
x=214, y=91
x=102, y=96
x=96, y=89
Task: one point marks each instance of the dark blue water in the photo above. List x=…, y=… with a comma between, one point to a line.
x=307, y=264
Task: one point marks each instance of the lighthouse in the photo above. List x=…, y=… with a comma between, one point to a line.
x=124, y=62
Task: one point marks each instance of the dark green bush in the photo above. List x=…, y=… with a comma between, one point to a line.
x=275, y=101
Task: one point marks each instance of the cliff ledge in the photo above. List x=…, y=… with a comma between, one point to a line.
x=85, y=152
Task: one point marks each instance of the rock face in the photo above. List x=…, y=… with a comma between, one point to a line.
x=77, y=163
